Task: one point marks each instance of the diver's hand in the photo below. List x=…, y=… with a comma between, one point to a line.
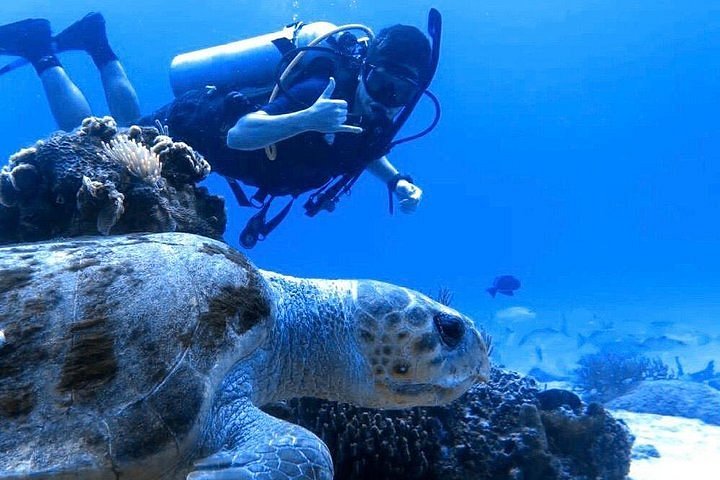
x=409, y=196
x=328, y=115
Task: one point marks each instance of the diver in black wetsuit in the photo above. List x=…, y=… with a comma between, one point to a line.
x=306, y=125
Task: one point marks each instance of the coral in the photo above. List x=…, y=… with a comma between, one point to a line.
x=444, y=296
x=605, y=375
x=101, y=179
x=105, y=198
x=18, y=156
x=104, y=128
x=592, y=443
x=677, y=398
x=182, y=163
x=134, y=156
x=496, y=431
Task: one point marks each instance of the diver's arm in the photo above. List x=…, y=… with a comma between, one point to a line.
x=408, y=193
x=259, y=129
x=382, y=169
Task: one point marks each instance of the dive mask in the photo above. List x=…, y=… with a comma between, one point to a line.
x=389, y=86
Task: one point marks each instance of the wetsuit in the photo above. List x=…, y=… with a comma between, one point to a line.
x=304, y=162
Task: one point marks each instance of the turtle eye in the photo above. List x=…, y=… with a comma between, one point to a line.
x=450, y=328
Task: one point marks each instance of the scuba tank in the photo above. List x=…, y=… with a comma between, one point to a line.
x=250, y=63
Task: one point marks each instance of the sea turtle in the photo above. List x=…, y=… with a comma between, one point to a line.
x=148, y=355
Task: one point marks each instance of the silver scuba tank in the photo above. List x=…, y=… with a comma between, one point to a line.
x=247, y=63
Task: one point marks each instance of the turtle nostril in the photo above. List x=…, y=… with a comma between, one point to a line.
x=451, y=329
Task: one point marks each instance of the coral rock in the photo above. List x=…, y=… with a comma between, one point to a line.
x=677, y=398
x=67, y=186
x=496, y=431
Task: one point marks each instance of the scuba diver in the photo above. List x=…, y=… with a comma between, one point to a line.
x=329, y=117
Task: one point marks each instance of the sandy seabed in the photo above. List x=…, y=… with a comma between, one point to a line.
x=689, y=449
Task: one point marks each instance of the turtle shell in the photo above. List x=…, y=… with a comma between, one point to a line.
x=111, y=349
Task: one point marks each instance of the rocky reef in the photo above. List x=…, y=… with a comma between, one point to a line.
x=507, y=429
x=678, y=398
x=100, y=179
x=603, y=376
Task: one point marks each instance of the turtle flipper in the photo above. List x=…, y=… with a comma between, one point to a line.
x=272, y=449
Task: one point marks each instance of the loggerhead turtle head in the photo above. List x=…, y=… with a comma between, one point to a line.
x=418, y=351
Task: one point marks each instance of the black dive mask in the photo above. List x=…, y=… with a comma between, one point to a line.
x=390, y=87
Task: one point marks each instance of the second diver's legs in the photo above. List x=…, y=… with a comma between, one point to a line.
x=31, y=40
x=89, y=34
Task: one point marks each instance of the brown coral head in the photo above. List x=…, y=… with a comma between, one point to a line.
x=103, y=198
x=105, y=127
x=22, y=155
x=136, y=133
x=25, y=178
x=8, y=194
x=182, y=163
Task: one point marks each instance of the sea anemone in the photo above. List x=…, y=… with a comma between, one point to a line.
x=135, y=156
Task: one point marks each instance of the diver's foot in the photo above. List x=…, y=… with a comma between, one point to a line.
x=28, y=38
x=87, y=34
x=83, y=34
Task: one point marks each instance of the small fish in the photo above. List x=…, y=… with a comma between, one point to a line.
x=663, y=342
x=611, y=341
x=538, y=332
x=706, y=373
x=505, y=284
x=539, y=353
x=662, y=324
x=542, y=376
x=515, y=314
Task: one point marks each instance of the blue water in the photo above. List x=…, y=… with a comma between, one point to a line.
x=578, y=149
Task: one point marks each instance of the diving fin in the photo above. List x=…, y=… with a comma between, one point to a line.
x=29, y=38
x=85, y=34
x=13, y=65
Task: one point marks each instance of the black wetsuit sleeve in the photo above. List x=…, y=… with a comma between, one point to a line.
x=301, y=97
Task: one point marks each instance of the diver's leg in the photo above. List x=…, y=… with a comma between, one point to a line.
x=67, y=103
x=119, y=92
x=31, y=40
x=89, y=34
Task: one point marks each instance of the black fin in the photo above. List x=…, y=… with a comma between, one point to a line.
x=85, y=34
x=29, y=38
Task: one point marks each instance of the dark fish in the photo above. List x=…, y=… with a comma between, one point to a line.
x=556, y=398
x=505, y=284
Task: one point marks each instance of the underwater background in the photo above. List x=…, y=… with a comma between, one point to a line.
x=577, y=150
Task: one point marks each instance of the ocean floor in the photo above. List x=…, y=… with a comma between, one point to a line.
x=689, y=449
